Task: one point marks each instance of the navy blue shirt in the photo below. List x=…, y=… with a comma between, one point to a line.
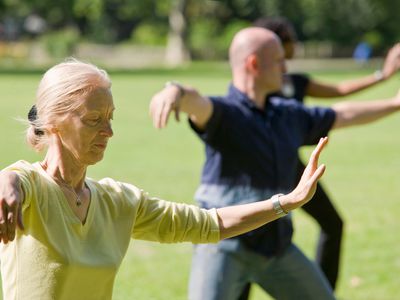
x=252, y=154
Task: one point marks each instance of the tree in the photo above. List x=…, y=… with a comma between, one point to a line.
x=177, y=51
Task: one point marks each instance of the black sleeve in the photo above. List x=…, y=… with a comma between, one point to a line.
x=218, y=122
x=300, y=84
x=316, y=122
x=294, y=89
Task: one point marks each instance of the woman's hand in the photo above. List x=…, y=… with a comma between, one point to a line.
x=11, y=196
x=308, y=183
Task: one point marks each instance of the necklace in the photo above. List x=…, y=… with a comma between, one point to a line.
x=78, y=200
x=70, y=188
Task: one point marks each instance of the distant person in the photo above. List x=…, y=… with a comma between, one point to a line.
x=63, y=235
x=298, y=85
x=252, y=145
x=362, y=53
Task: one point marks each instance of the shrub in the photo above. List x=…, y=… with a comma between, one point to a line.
x=150, y=34
x=61, y=43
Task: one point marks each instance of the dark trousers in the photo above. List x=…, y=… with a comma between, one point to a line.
x=328, y=249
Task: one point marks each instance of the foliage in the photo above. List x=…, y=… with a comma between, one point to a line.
x=209, y=40
x=204, y=32
x=61, y=43
x=150, y=34
x=340, y=22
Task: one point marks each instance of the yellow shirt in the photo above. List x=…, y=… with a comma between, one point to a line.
x=58, y=257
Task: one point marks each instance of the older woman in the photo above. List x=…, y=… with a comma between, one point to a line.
x=63, y=234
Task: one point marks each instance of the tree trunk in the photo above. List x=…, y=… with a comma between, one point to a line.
x=177, y=52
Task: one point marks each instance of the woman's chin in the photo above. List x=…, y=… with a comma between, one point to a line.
x=95, y=158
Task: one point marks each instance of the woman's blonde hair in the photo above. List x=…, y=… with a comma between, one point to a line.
x=59, y=92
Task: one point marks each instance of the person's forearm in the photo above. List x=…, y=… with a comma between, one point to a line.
x=356, y=113
x=390, y=67
x=355, y=85
x=238, y=219
x=322, y=90
x=198, y=108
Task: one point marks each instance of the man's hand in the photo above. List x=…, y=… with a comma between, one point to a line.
x=177, y=98
x=163, y=103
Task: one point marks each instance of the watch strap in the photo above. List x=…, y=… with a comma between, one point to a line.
x=277, y=205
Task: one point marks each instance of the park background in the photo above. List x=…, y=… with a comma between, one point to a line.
x=145, y=43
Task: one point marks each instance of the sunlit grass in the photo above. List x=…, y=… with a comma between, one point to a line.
x=362, y=177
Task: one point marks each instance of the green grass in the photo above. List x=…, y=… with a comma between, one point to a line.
x=362, y=175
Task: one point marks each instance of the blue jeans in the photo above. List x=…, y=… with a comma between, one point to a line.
x=221, y=274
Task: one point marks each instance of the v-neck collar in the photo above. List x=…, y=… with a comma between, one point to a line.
x=81, y=226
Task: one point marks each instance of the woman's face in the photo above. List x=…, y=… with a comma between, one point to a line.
x=85, y=132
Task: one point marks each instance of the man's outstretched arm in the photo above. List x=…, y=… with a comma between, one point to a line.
x=356, y=113
x=177, y=98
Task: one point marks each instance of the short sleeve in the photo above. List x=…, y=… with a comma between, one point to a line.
x=300, y=82
x=220, y=118
x=170, y=222
x=295, y=87
x=318, y=123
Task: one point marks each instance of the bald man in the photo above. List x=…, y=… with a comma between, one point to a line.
x=251, y=154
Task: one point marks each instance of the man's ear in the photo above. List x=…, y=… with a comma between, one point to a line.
x=252, y=64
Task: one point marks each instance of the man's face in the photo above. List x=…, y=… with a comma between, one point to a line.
x=272, y=66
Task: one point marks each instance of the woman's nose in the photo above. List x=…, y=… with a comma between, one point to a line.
x=107, y=129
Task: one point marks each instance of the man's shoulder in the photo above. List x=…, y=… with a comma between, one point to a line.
x=225, y=99
x=227, y=104
x=217, y=97
x=232, y=97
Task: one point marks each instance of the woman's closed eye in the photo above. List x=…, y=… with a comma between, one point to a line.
x=92, y=121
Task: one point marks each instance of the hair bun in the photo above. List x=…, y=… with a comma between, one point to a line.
x=32, y=114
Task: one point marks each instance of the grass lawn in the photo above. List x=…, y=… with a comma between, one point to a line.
x=362, y=177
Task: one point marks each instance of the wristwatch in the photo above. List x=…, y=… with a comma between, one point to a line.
x=277, y=205
x=378, y=74
x=178, y=85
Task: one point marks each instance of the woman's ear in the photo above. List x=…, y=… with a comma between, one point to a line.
x=52, y=129
x=54, y=137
